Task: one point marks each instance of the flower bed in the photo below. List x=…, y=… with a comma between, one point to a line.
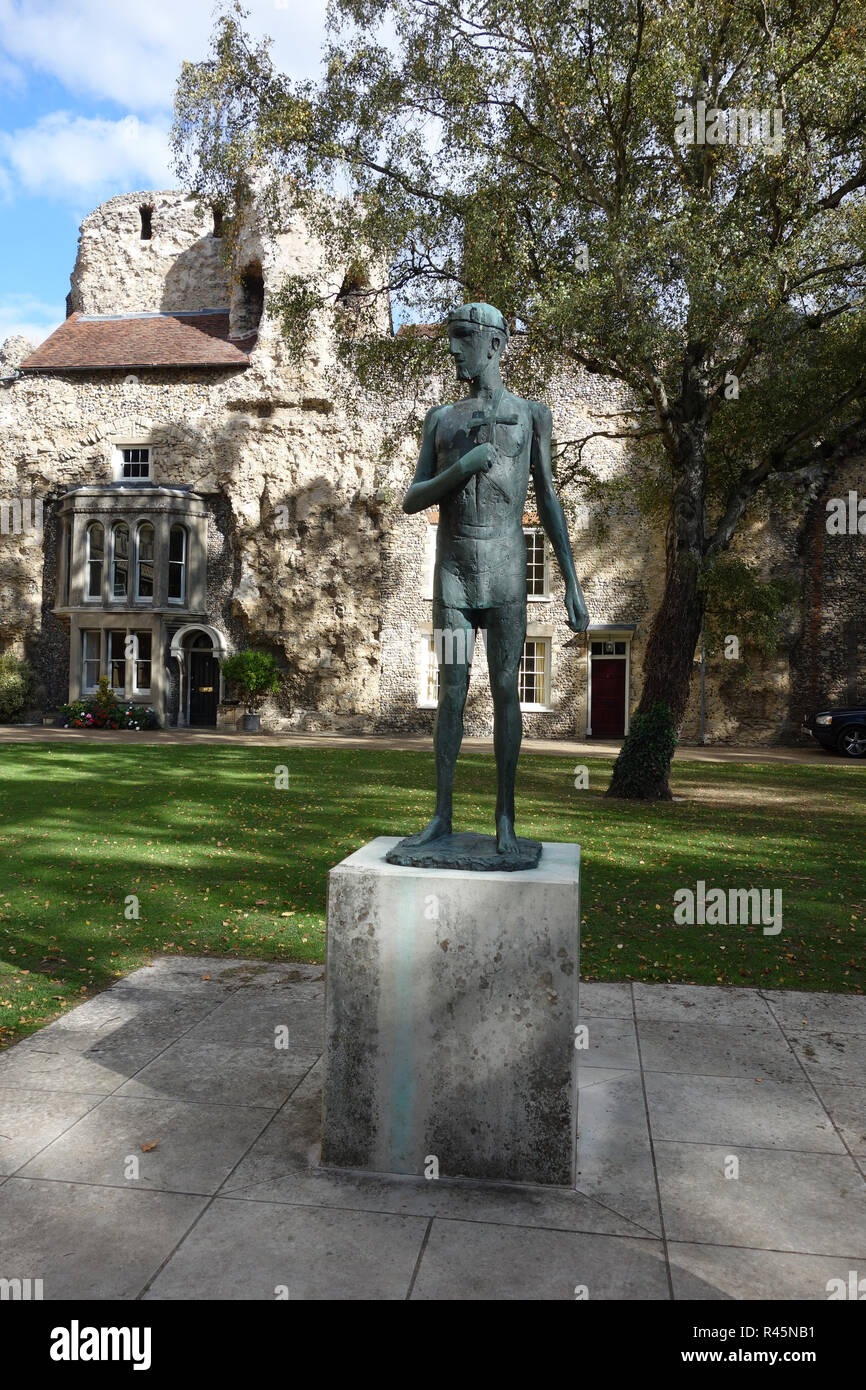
x=104, y=711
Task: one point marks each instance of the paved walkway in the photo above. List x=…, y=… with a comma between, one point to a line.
x=563, y=748
x=155, y=1144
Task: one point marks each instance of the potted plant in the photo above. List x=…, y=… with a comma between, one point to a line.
x=256, y=675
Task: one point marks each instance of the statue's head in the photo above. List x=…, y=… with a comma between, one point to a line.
x=477, y=333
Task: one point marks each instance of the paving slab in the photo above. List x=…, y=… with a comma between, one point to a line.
x=605, y=999
x=259, y=1075
x=843, y=1013
x=261, y=1250
x=614, y=1152
x=717, y=1049
x=86, y=1241
x=88, y=1062
x=233, y=1202
x=174, y=1146
x=468, y=1262
x=612, y=1042
x=809, y=1202
x=29, y=1120
x=846, y=1106
x=832, y=1057
x=727, y=1272
x=701, y=1004
x=739, y=1110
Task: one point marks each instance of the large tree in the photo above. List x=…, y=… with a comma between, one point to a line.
x=563, y=161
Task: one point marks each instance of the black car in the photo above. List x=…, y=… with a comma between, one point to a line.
x=843, y=730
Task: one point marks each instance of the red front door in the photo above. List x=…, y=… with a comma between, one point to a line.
x=607, y=716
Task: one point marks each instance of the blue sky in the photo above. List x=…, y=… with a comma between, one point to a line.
x=86, y=89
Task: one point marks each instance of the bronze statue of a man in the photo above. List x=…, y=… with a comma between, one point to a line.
x=475, y=461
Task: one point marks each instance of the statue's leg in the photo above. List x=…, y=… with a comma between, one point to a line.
x=455, y=638
x=506, y=634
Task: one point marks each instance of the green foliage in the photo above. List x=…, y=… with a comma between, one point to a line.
x=17, y=687
x=256, y=675
x=740, y=600
x=641, y=770
x=485, y=142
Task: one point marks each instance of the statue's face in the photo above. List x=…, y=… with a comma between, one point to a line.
x=472, y=348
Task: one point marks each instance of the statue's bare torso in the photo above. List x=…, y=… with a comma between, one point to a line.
x=480, y=551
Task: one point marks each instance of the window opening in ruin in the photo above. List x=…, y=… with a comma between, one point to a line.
x=146, y=223
x=252, y=288
x=355, y=282
x=217, y=221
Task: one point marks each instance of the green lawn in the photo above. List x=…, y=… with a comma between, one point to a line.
x=223, y=862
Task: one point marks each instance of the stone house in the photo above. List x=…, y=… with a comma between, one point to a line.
x=173, y=488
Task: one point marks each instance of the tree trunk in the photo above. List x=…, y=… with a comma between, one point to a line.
x=642, y=770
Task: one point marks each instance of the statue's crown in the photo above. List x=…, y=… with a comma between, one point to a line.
x=486, y=315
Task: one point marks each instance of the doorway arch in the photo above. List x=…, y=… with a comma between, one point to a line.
x=199, y=651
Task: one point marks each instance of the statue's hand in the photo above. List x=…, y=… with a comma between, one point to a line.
x=578, y=617
x=478, y=460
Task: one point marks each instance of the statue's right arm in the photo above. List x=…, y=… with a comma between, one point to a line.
x=429, y=487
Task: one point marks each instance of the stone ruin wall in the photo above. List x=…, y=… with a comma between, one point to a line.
x=300, y=581
x=310, y=554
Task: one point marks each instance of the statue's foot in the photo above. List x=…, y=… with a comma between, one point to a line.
x=506, y=840
x=438, y=826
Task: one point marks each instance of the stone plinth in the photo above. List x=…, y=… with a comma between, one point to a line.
x=451, y=1006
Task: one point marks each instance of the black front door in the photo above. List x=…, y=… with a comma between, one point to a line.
x=204, y=688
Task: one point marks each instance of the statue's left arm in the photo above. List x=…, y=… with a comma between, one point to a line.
x=552, y=516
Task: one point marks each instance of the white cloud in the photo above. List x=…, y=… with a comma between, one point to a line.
x=63, y=155
x=131, y=53
x=31, y=317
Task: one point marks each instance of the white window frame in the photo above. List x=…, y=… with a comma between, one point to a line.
x=115, y=525
x=120, y=463
x=85, y=660
x=429, y=560
x=538, y=531
x=426, y=653
x=138, y=660
x=144, y=599
x=88, y=596
x=110, y=634
x=184, y=564
x=548, y=645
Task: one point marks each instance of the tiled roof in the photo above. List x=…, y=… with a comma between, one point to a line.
x=93, y=342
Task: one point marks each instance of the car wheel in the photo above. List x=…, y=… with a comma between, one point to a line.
x=852, y=741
